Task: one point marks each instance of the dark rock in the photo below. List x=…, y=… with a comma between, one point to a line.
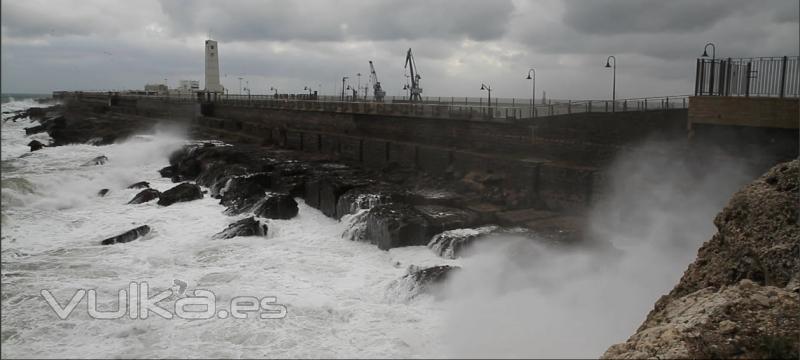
x=332, y=186
x=242, y=193
x=127, y=236
x=290, y=177
x=450, y=244
x=365, y=198
x=394, y=225
x=139, y=185
x=100, y=160
x=435, y=197
x=442, y=218
x=277, y=206
x=167, y=172
x=35, y=145
x=102, y=192
x=145, y=196
x=35, y=129
x=179, y=193
x=245, y=227
x=418, y=281
x=743, y=281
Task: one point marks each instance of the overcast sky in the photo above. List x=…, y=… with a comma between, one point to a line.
x=102, y=44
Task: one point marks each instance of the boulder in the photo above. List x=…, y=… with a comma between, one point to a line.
x=418, y=281
x=739, y=298
x=451, y=243
x=139, y=185
x=396, y=224
x=242, y=193
x=145, y=196
x=100, y=160
x=35, y=145
x=365, y=198
x=127, y=236
x=179, y=193
x=245, y=227
x=102, y=192
x=277, y=206
x=168, y=171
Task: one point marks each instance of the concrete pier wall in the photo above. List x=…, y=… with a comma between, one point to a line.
x=556, y=162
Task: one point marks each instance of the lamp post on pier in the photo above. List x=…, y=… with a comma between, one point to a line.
x=613, y=82
x=358, y=87
x=489, y=90
x=533, y=88
x=713, y=58
x=343, y=87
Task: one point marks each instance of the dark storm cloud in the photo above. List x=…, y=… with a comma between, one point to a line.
x=340, y=20
x=96, y=44
x=24, y=21
x=611, y=17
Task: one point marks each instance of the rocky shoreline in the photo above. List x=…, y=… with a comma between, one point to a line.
x=738, y=299
x=741, y=297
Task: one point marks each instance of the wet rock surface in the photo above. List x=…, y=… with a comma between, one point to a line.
x=35, y=145
x=394, y=225
x=241, y=193
x=740, y=298
x=245, y=227
x=145, y=196
x=100, y=160
x=276, y=206
x=180, y=193
x=418, y=281
x=452, y=243
x=127, y=236
x=392, y=210
x=139, y=185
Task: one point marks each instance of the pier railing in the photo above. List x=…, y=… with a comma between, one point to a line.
x=451, y=108
x=447, y=108
x=761, y=76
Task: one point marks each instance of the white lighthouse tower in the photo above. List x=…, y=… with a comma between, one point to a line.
x=212, y=67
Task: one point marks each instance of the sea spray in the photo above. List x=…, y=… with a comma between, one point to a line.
x=333, y=289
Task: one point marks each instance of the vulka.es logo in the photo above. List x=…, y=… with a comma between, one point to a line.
x=137, y=303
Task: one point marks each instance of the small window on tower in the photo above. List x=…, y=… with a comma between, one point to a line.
x=212, y=54
x=212, y=47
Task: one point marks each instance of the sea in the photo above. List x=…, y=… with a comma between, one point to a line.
x=304, y=290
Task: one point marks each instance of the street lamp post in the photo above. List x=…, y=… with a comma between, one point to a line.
x=489, y=90
x=343, y=87
x=240, y=85
x=613, y=82
x=713, y=58
x=358, y=86
x=533, y=88
x=275, y=90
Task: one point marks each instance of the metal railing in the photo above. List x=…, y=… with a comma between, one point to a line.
x=761, y=76
x=501, y=109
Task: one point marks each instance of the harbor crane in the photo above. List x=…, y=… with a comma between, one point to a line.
x=414, y=90
x=376, y=85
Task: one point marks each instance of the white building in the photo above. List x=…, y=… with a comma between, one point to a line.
x=188, y=86
x=212, y=67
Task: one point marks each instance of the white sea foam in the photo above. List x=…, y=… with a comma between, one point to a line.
x=333, y=288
